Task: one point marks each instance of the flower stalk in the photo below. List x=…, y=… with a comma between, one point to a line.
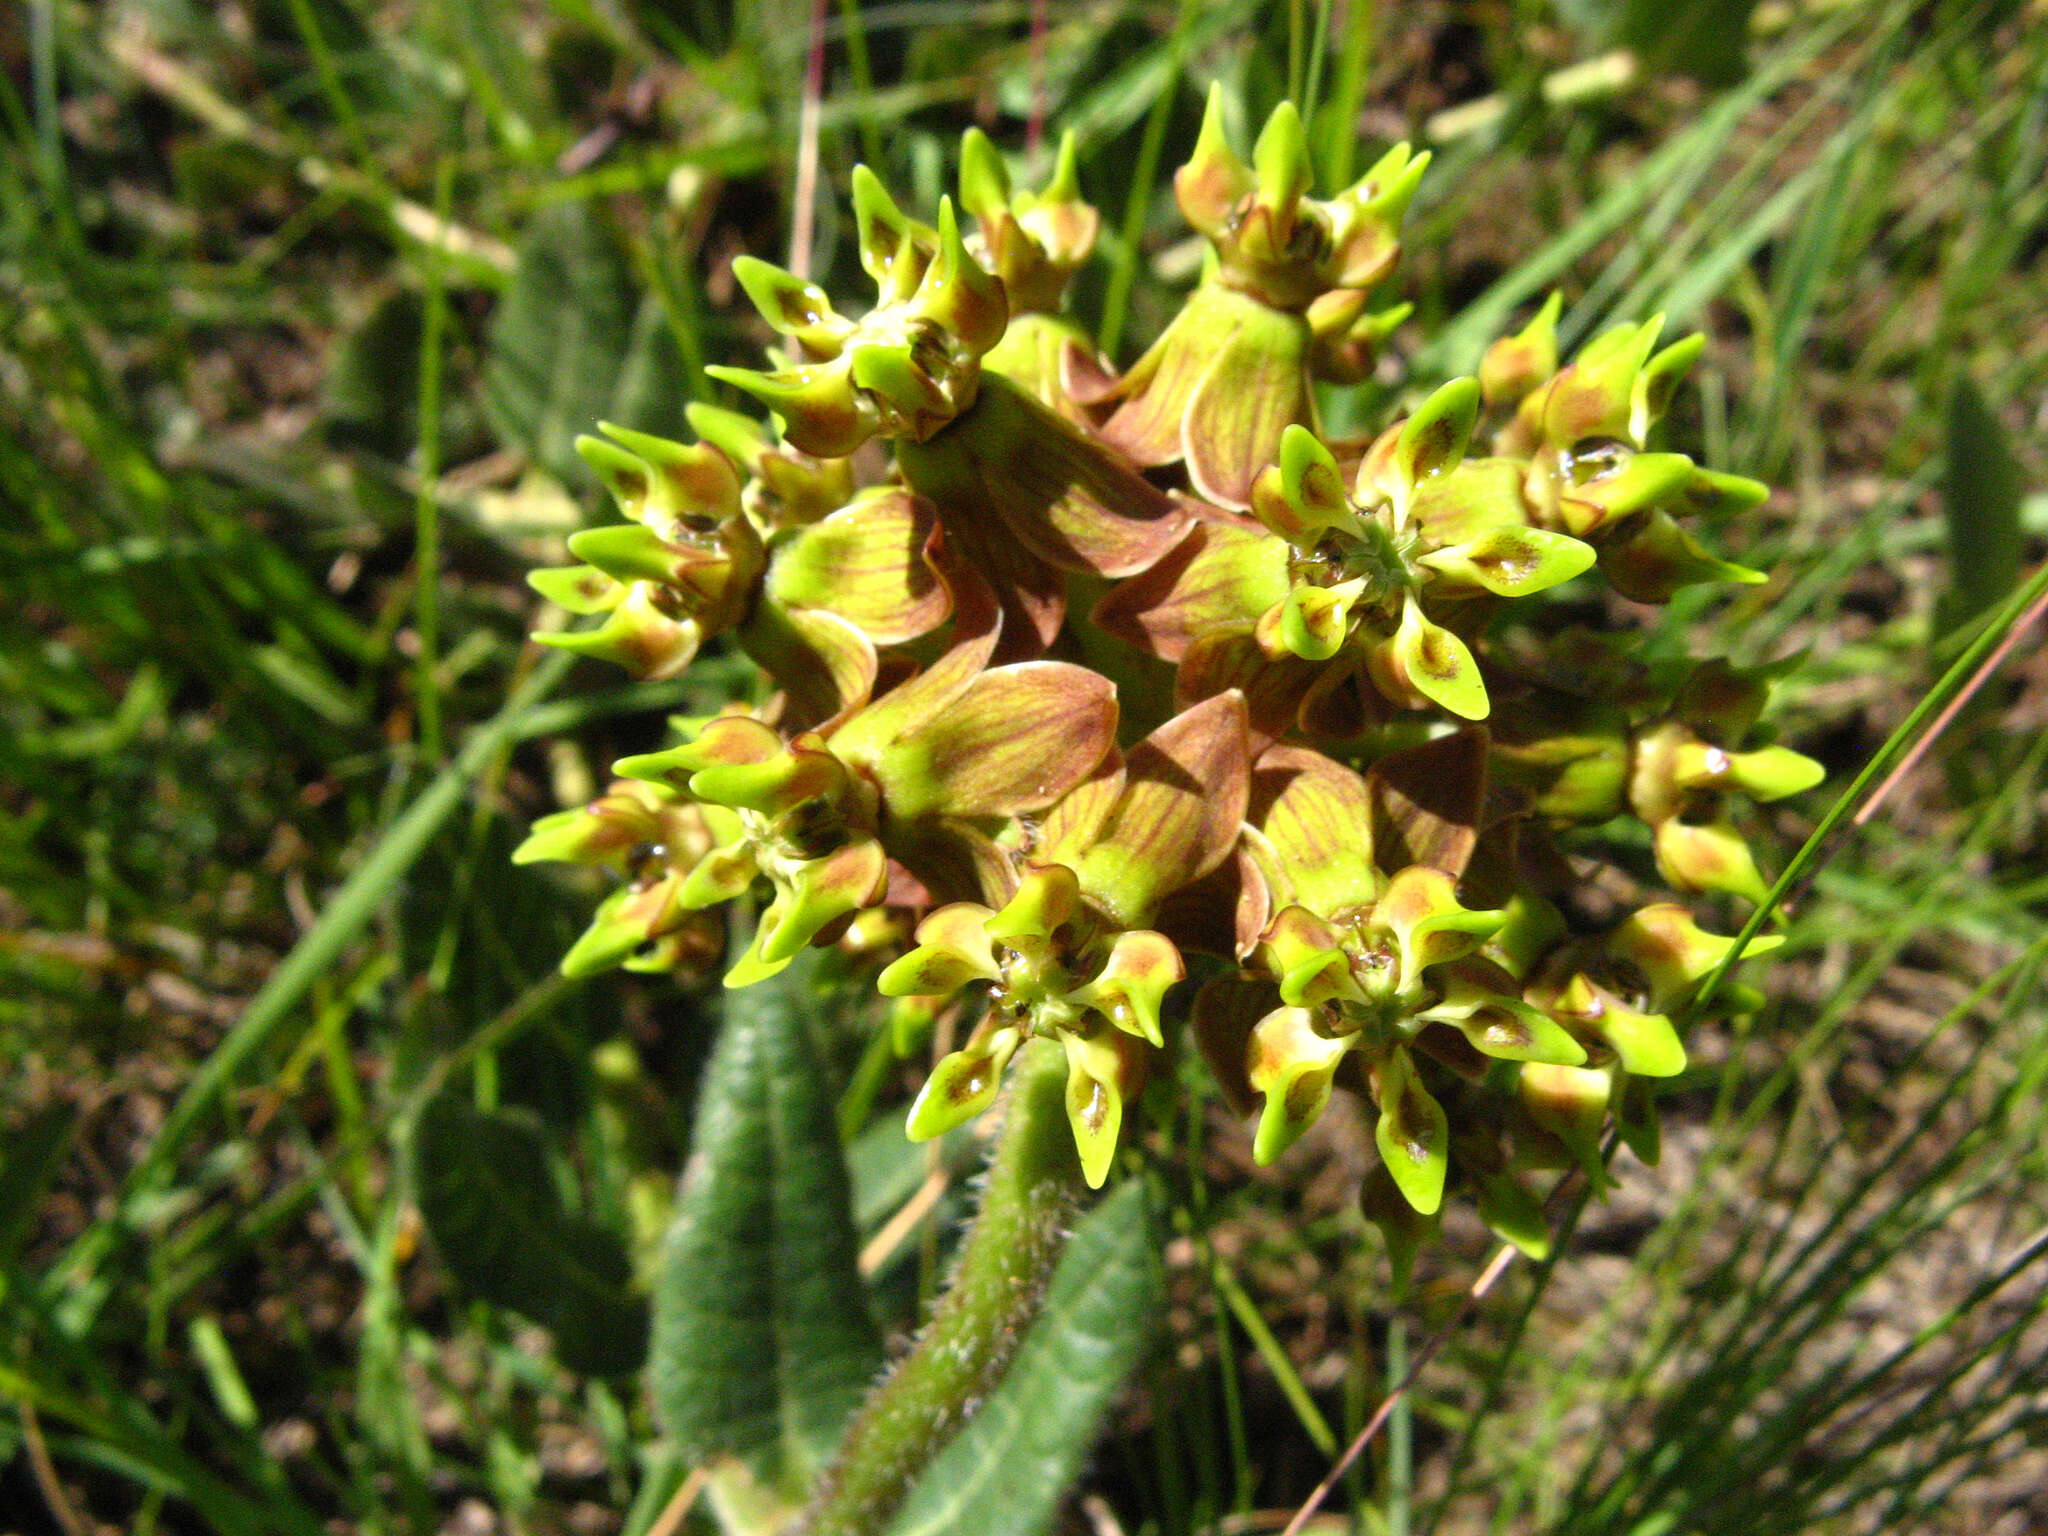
x=1028, y=1199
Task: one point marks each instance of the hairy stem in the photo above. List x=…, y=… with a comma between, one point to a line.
x=1027, y=1205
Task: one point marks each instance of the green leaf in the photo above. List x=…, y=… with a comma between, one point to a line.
x=1008, y=1471
x=558, y=338
x=763, y=1344
x=653, y=383
x=495, y=1212
x=30, y=1155
x=1700, y=38
x=371, y=396
x=1980, y=497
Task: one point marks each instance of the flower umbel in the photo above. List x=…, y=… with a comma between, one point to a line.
x=1068, y=683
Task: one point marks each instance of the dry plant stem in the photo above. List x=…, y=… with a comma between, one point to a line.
x=678, y=1508
x=1920, y=748
x=1495, y=1268
x=175, y=83
x=47, y=1481
x=804, y=214
x=1028, y=1199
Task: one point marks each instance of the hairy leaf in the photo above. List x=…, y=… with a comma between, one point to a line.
x=496, y=1215
x=763, y=1342
x=558, y=337
x=1980, y=496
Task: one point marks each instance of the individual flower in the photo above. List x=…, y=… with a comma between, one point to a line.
x=1034, y=242
x=900, y=792
x=789, y=813
x=1355, y=582
x=1422, y=527
x=650, y=837
x=682, y=567
x=1353, y=969
x=1054, y=968
x=1583, y=434
x=809, y=586
x=1685, y=769
x=1071, y=953
x=1286, y=295
x=907, y=367
x=1619, y=990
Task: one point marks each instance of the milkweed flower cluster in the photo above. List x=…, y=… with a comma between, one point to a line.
x=1073, y=678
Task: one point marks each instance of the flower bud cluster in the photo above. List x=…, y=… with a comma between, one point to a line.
x=1091, y=680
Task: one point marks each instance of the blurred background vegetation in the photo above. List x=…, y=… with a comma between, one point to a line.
x=301, y=302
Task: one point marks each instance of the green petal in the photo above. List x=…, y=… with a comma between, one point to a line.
x=883, y=231
x=1016, y=739
x=1637, y=1122
x=1185, y=791
x=581, y=589
x=869, y=563
x=1436, y=664
x=1433, y=440
x=1317, y=818
x=774, y=787
x=984, y=182
x=1571, y=1104
x=1645, y=1043
x=1711, y=494
x=954, y=940
x=1517, y=365
x=719, y=876
x=1638, y=482
x=1102, y=1071
x=1292, y=1064
x=1370, y=215
x=1508, y=1029
x=1311, y=485
x=1280, y=162
x=790, y=304
x=740, y=438
x=898, y=377
x=820, y=412
x=1659, y=380
x=1513, y=562
x=1046, y=898
x=602, y=832
x=1133, y=982
x=637, y=635
x=962, y=1085
x=627, y=552
x=1594, y=397
x=960, y=295
x=624, y=921
x=1315, y=621
x=1666, y=943
x=1770, y=773
x=822, y=891
x=1712, y=857
x=1413, y=1133
x=1211, y=184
